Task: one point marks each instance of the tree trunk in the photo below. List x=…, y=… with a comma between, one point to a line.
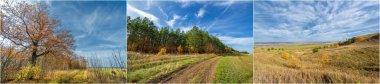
x=34, y=58
x=33, y=61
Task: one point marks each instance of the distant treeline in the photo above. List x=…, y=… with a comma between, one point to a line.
x=144, y=36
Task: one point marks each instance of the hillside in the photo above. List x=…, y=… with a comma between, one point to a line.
x=352, y=61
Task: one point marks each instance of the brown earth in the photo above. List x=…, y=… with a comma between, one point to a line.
x=201, y=72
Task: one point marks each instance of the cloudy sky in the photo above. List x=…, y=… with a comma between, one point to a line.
x=230, y=21
x=314, y=21
x=99, y=28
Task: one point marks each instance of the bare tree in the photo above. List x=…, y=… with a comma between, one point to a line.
x=30, y=27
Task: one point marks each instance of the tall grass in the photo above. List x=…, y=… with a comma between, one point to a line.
x=115, y=73
x=144, y=68
x=233, y=69
x=345, y=64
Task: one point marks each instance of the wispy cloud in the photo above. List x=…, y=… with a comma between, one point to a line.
x=314, y=20
x=163, y=12
x=173, y=20
x=94, y=25
x=236, y=40
x=225, y=3
x=201, y=12
x=231, y=19
x=131, y=10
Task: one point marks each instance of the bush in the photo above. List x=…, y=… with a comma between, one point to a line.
x=162, y=51
x=315, y=50
x=29, y=72
x=180, y=49
x=285, y=55
x=359, y=38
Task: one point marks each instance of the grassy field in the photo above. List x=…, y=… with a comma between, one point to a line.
x=194, y=68
x=94, y=75
x=234, y=69
x=304, y=63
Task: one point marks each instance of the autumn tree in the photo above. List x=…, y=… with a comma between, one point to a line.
x=31, y=29
x=179, y=49
x=359, y=38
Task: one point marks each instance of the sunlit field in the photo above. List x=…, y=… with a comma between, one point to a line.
x=345, y=62
x=192, y=68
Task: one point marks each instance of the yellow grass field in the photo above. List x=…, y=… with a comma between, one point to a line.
x=299, y=63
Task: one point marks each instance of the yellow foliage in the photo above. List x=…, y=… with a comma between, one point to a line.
x=191, y=49
x=285, y=55
x=29, y=71
x=162, y=51
x=292, y=62
x=179, y=49
x=359, y=38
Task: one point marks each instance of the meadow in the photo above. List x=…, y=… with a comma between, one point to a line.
x=91, y=75
x=188, y=68
x=355, y=60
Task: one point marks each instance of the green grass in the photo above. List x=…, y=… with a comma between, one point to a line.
x=233, y=69
x=152, y=63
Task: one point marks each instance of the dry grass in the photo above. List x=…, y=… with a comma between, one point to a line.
x=354, y=63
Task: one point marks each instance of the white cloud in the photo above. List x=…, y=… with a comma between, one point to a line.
x=186, y=28
x=132, y=11
x=225, y=3
x=314, y=21
x=184, y=17
x=172, y=21
x=90, y=21
x=236, y=40
x=184, y=3
x=200, y=13
x=148, y=4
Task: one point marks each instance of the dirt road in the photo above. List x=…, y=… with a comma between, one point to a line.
x=202, y=72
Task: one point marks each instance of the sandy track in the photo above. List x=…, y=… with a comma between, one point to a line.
x=202, y=72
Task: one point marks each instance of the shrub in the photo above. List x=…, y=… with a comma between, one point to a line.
x=162, y=51
x=359, y=38
x=315, y=50
x=179, y=49
x=29, y=72
x=285, y=55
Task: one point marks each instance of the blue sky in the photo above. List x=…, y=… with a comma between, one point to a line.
x=314, y=21
x=99, y=28
x=230, y=21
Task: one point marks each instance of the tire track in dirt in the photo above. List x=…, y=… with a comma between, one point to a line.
x=202, y=72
